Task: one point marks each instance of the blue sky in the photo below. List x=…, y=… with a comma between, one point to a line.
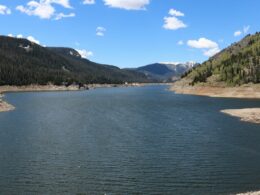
x=131, y=33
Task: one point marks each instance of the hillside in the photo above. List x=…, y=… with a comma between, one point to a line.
x=23, y=63
x=236, y=65
x=165, y=72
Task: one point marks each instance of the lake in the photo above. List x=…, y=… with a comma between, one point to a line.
x=117, y=141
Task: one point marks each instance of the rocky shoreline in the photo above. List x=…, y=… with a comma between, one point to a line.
x=248, y=114
x=249, y=91
x=5, y=107
x=250, y=193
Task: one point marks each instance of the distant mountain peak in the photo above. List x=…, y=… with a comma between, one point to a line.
x=170, y=63
x=166, y=71
x=177, y=63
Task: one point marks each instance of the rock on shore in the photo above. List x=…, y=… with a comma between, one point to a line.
x=250, y=193
x=4, y=106
x=248, y=114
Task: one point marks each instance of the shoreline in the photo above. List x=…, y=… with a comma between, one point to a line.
x=250, y=193
x=5, y=106
x=249, y=91
x=251, y=115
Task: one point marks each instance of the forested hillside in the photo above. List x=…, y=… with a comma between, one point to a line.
x=236, y=65
x=23, y=62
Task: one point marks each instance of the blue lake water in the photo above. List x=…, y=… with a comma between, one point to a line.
x=118, y=141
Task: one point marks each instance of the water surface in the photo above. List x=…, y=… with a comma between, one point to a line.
x=143, y=140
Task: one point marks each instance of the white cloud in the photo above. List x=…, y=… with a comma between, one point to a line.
x=4, y=10
x=32, y=39
x=89, y=2
x=62, y=15
x=180, y=42
x=246, y=29
x=172, y=22
x=210, y=47
x=44, y=9
x=211, y=52
x=100, y=28
x=100, y=34
x=174, y=12
x=100, y=31
x=84, y=53
x=10, y=35
x=127, y=4
x=202, y=43
x=237, y=33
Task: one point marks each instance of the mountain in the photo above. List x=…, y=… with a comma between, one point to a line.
x=236, y=65
x=166, y=71
x=23, y=63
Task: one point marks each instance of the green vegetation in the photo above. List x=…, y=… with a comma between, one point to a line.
x=238, y=64
x=23, y=63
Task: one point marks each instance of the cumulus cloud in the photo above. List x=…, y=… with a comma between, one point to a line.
x=45, y=9
x=202, y=43
x=172, y=22
x=4, y=10
x=209, y=47
x=176, y=13
x=89, y=2
x=211, y=52
x=100, y=31
x=84, y=53
x=42, y=10
x=127, y=4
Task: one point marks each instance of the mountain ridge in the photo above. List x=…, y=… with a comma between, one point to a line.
x=23, y=62
x=166, y=71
